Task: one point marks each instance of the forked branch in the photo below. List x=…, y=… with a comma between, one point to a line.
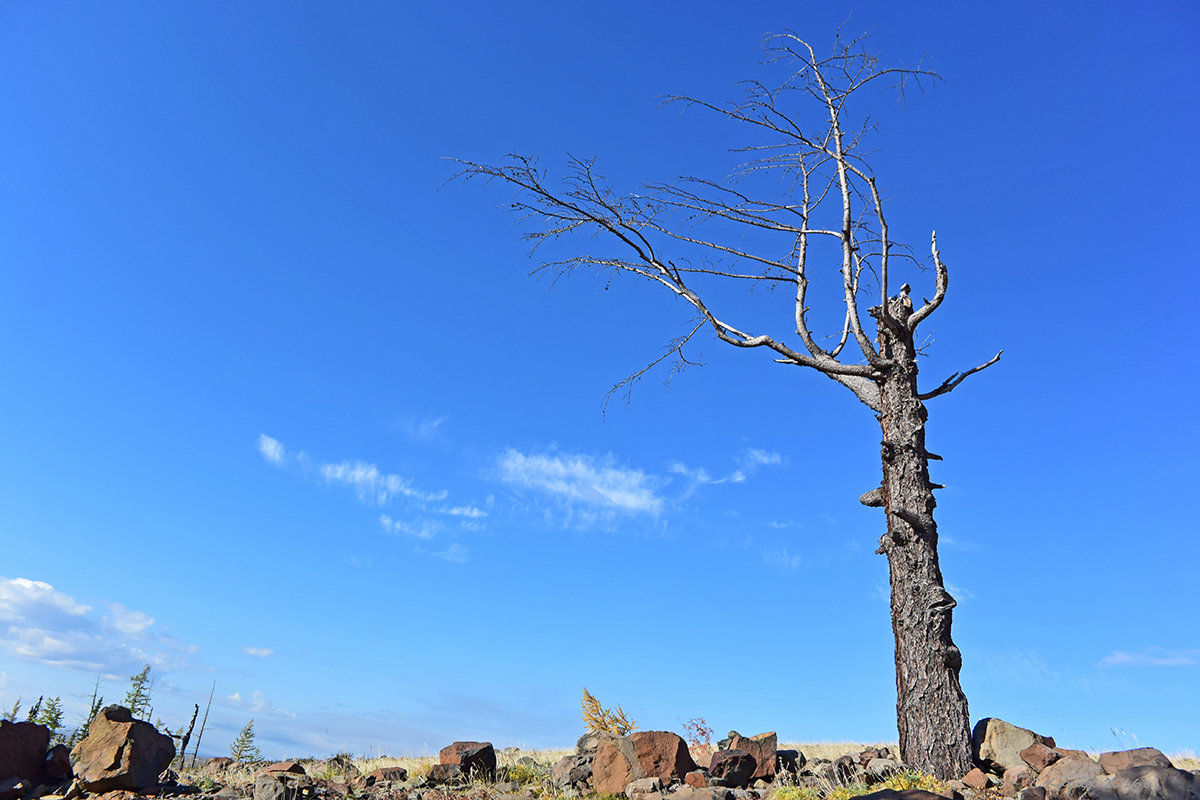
x=954, y=380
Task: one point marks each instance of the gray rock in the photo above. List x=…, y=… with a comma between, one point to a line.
x=572, y=771
x=281, y=786
x=643, y=786
x=880, y=769
x=1071, y=769
x=1143, y=783
x=1115, y=761
x=996, y=745
x=685, y=792
x=441, y=774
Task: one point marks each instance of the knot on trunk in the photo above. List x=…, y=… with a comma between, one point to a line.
x=873, y=498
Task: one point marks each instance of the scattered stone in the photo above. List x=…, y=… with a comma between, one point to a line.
x=120, y=752
x=1070, y=769
x=23, y=750
x=976, y=779
x=477, y=759
x=58, y=764
x=1017, y=778
x=441, y=774
x=789, y=761
x=846, y=769
x=996, y=745
x=686, y=792
x=281, y=785
x=643, y=786
x=220, y=762
x=697, y=779
x=903, y=794
x=1032, y=793
x=14, y=788
x=1114, y=762
x=735, y=767
x=762, y=747
x=880, y=769
x=387, y=774
x=572, y=772
x=1039, y=756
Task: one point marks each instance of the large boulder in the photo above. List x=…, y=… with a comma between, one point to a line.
x=475, y=759
x=645, y=754
x=58, y=763
x=1146, y=783
x=997, y=745
x=1115, y=761
x=23, y=750
x=761, y=747
x=120, y=752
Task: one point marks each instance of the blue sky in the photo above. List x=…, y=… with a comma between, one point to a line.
x=283, y=411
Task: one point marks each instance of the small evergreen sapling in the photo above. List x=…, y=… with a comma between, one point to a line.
x=242, y=748
x=137, y=699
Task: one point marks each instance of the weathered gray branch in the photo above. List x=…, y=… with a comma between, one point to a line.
x=954, y=380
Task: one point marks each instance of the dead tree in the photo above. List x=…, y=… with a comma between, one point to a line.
x=804, y=205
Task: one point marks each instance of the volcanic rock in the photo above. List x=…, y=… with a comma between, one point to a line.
x=120, y=752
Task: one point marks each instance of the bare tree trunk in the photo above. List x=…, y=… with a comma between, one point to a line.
x=931, y=708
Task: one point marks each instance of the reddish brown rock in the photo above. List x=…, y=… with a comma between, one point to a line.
x=474, y=758
x=1017, y=778
x=446, y=773
x=734, y=767
x=761, y=747
x=285, y=766
x=1114, y=762
x=58, y=763
x=612, y=769
x=976, y=779
x=387, y=774
x=220, y=762
x=1039, y=756
x=23, y=750
x=120, y=752
x=662, y=754
x=646, y=754
x=696, y=778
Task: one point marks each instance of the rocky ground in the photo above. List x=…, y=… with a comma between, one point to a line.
x=126, y=759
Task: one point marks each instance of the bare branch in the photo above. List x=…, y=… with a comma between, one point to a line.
x=675, y=348
x=942, y=278
x=954, y=380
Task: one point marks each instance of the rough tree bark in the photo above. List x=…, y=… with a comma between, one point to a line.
x=723, y=232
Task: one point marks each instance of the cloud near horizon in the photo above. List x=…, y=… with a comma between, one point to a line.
x=43, y=625
x=1152, y=657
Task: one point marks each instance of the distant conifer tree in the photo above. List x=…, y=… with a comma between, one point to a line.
x=242, y=748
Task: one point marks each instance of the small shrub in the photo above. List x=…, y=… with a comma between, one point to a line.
x=698, y=734
x=598, y=718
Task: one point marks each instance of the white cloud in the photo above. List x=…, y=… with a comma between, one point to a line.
x=582, y=479
x=271, y=449
x=374, y=486
x=258, y=652
x=44, y=626
x=455, y=553
x=421, y=529
x=470, y=512
x=129, y=622
x=782, y=558
x=1152, y=657
x=257, y=703
x=3, y=679
x=761, y=458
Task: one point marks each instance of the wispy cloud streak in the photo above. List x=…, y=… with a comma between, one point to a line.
x=575, y=478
